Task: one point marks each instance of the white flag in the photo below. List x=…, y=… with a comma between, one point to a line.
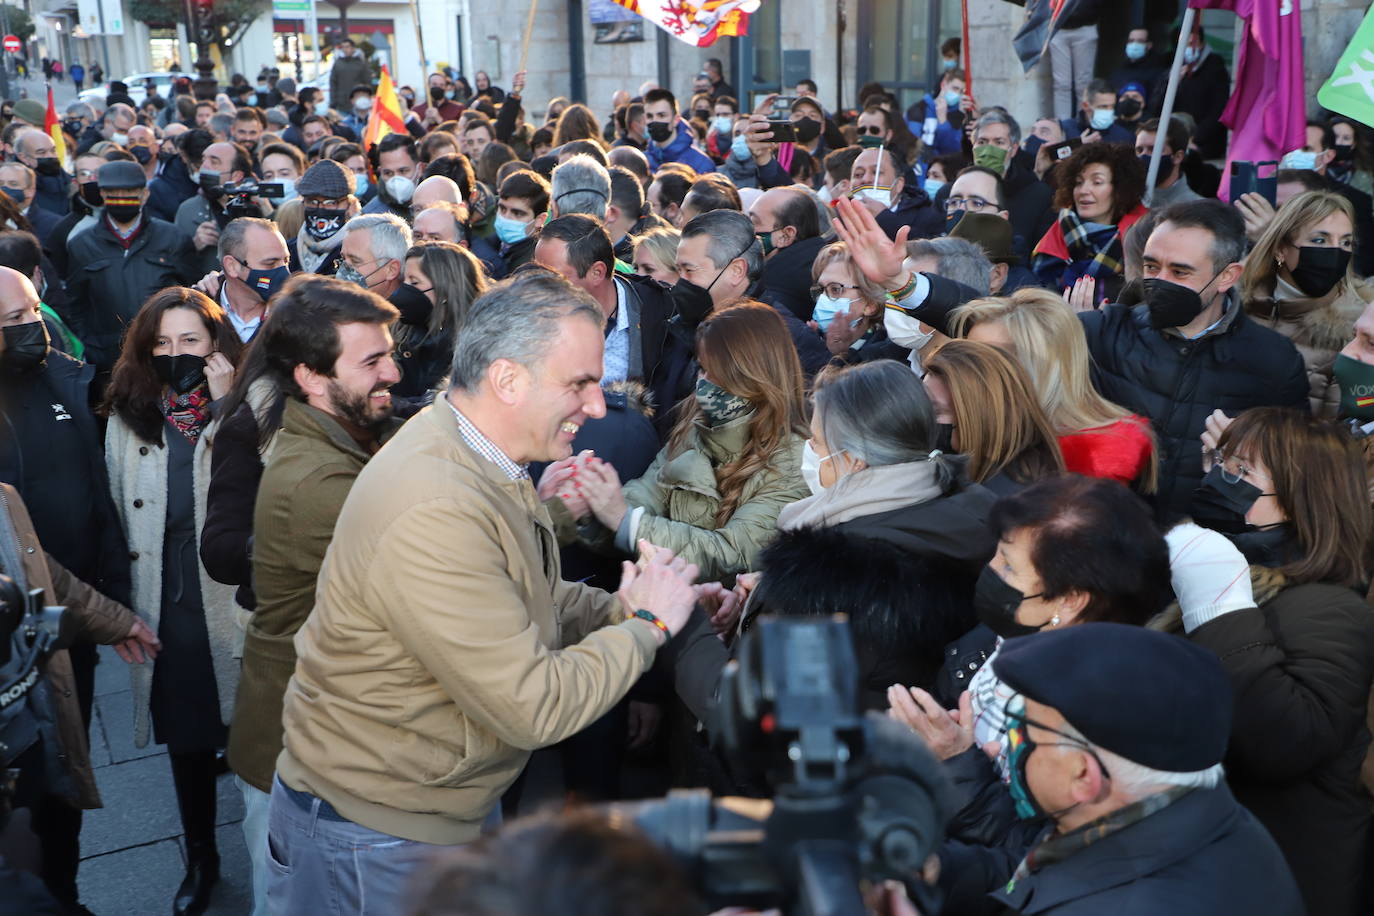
x=697, y=22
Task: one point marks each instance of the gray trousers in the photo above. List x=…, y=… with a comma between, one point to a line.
x=319, y=863
x=1073, y=53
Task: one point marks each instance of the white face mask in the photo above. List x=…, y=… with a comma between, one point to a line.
x=811, y=468
x=905, y=331
x=880, y=194
x=400, y=188
x=824, y=194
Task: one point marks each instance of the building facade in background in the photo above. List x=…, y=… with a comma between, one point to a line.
x=585, y=49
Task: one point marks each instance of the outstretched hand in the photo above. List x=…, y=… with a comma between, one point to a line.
x=880, y=258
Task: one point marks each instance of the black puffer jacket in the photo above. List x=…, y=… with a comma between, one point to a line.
x=1177, y=383
x=1301, y=665
x=109, y=284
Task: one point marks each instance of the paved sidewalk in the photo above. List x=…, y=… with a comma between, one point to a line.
x=133, y=855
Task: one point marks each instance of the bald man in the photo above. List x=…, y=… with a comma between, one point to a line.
x=878, y=182
x=434, y=189
x=441, y=222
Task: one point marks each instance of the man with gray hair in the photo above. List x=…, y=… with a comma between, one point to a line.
x=721, y=259
x=444, y=645
x=580, y=185
x=255, y=259
x=373, y=252
x=996, y=141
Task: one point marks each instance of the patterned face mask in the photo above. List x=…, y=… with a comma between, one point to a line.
x=719, y=405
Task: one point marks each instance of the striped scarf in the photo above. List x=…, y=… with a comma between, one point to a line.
x=1094, y=249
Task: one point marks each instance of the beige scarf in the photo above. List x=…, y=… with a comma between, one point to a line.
x=867, y=492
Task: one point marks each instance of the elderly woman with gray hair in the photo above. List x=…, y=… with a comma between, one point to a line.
x=892, y=535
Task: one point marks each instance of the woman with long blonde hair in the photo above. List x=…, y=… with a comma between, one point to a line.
x=1040, y=330
x=988, y=404
x=1298, y=281
x=733, y=460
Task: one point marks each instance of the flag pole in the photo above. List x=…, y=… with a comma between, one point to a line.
x=529, y=30
x=1185, y=35
x=968, y=55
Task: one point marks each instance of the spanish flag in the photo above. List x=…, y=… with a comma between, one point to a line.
x=386, y=117
x=697, y=22
x=52, y=126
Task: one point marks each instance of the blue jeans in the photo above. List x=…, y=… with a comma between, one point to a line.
x=318, y=862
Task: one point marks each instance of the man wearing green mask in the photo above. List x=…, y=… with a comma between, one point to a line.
x=996, y=145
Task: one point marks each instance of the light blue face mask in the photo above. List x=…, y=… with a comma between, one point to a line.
x=1135, y=50
x=953, y=98
x=827, y=309
x=509, y=230
x=740, y=149
x=722, y=124
x=1102, y=118
x=288, y=187
x=1191, y=54
x=932, y=186
x=360, y=185
x=950, y=63
x=1299, y=159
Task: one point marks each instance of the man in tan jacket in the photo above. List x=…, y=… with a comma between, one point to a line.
x=444, y=645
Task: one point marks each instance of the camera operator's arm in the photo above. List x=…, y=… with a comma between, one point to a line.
x=102, y=620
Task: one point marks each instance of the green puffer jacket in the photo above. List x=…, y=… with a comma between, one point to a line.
x=680, y=499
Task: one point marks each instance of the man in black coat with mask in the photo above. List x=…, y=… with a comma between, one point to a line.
x=1190, y=348
x=37, y=150
x=50, y=451
x=787, y=224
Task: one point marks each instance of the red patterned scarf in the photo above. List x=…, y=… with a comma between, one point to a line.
x=188, y=412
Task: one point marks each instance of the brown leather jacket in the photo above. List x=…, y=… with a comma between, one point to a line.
x=102, y=621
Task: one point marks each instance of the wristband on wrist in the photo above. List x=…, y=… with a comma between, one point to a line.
x=651, y=617
x=899, y=294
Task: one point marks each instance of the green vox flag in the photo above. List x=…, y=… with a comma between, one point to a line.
x=1350, y=90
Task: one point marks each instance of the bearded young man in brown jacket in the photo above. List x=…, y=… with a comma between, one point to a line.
x=444, y=646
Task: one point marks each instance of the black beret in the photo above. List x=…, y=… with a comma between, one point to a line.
x=1155, y=699
x=121, y=174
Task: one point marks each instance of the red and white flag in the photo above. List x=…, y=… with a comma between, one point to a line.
x=697, y=22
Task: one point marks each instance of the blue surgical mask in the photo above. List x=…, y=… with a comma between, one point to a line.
x=360, y=185
x=288, y=188
x=1135, y=50
x=1299, y=159
x=722, y=124
x=1191, y=54
x=827, y=308
x=949, y=63
x=953, y=98
x=1102, y=118
x=509, y=230
x=739, y=148
x=932, y=187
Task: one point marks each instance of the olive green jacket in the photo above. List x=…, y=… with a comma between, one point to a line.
x=680, y=498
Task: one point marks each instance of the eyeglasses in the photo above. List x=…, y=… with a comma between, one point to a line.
x=1233, y=469
x=872, y=130
x=833, y=290
x=975, y=204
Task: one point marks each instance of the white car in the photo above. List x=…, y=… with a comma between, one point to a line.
x=138, y=88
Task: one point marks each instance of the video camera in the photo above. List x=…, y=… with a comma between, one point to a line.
x=30, y=632
x=237, y=196
x=856, y=798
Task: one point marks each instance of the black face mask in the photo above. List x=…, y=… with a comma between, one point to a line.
x=1127, y=108
x=1320, y=269
x=209, y=181
x=414, y=306
x=26, y=348
x=165, y=156
x=437, y=94
x=944, y=437
x=123, y=213
x=952, y=220
x=143, y=154
x=996, y=602
x=181, y=373
x=90, y=193
x=1344, y=152
x=1171, y=305
x=1221, y=505
x=1166, y=168
x=660, y=131
x=322, y=222
x=702, y=113
x=690, y=301
x=807, y=129
x=48, y=166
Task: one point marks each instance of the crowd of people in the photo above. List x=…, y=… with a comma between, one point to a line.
x=384, y=466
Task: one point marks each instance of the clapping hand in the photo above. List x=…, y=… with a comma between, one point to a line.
x=661, y=585
x=1082, y=296
x=945, y=733
x=599, y=484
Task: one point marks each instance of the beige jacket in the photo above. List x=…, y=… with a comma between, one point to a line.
x=444, y=646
